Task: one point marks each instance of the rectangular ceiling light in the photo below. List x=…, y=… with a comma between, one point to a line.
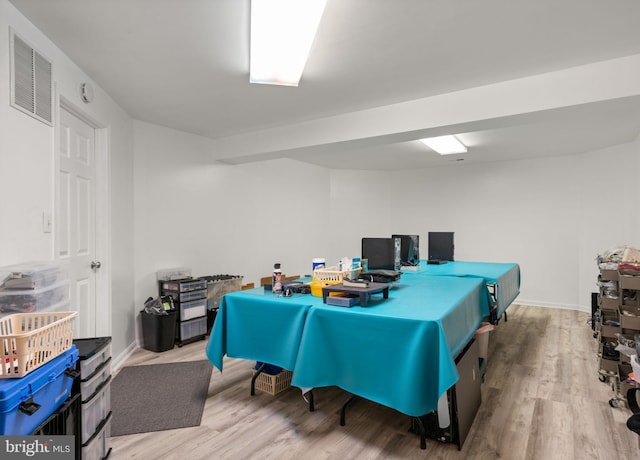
x=445, y=145
x=282, y=32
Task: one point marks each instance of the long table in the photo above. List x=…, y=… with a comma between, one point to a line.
x=503, y=277
x=398, y=351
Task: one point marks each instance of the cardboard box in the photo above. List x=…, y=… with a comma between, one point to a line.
x=609, y=365
x=608, y=303
x=608, y=275
x=629, y=282
x=626, y=383
x=608, y=330
x=630, y=317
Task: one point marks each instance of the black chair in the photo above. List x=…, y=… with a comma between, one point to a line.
x=633, y=423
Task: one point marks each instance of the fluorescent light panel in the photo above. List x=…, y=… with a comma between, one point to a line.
x=282, y=32
x=445, y=145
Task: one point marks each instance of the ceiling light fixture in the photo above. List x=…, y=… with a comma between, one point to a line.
x=445, y=145
x=282, y=32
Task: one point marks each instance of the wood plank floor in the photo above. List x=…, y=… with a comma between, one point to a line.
x=541, y=399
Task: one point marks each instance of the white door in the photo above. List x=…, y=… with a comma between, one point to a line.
x=76, y=219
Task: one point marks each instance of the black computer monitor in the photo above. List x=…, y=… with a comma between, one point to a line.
x=381, y=253
x=440, y=245
x=409, y=249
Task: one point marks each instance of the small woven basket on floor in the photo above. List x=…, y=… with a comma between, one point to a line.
x=273, y=384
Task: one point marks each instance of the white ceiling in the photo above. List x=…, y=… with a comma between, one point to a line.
x=184, y=64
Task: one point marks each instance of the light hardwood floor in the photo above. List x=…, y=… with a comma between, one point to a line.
x=541, y=399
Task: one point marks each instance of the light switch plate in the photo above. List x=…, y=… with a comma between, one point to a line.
x=47, y=222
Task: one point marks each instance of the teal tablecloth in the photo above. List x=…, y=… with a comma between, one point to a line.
x=398, y=352
x=260, y=326
x=505, y=277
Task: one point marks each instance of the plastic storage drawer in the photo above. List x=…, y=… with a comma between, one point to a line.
x=92, y=354
x=33, y=275
x=33, y=300
x=184, y=286
x=193, y=328
x=95, y=410
x=28, y=401
x=97, y=448
x=192, y=295
x=90, y=386
x=193, y=309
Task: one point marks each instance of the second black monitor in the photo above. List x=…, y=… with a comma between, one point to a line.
x=440, y=245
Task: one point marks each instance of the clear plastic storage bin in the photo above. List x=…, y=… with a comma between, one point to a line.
x=194, y=309
x=33, y=300
x=33, y=275
x=193, y=328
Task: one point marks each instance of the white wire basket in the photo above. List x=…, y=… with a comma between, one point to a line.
x=335, y=275
x=29, y=340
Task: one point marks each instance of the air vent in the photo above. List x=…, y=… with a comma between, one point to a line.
x=31, y=81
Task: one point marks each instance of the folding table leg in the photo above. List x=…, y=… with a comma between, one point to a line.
x=416, y=421
x=343, y=410
x=311, y=405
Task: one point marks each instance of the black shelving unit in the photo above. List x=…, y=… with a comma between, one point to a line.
x=190, y=299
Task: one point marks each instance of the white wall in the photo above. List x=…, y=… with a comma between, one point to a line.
x=221, y=219
x=550, y=215
x=224, y=219
x=27, y=172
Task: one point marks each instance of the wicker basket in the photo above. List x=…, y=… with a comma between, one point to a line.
x=29, y=340
x=335, y=275
x=273, y=384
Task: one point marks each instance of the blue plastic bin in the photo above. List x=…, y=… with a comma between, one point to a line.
x=28, y=401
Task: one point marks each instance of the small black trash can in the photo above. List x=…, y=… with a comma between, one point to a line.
x=158, y=331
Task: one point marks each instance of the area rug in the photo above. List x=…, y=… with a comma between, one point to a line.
x=157, y=397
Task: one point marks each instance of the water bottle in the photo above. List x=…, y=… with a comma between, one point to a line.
x=276, y=281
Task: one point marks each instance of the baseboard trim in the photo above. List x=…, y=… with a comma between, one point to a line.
x=533, y=303
x=119, y=360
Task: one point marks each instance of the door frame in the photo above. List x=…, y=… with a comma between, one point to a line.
x=102, y=210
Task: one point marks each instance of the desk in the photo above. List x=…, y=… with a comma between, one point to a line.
x=398, y=351
x=505, y=277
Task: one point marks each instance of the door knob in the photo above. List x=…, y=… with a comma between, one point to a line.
x=95, y=265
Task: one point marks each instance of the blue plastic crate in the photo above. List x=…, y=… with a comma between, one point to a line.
x=28, y=401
